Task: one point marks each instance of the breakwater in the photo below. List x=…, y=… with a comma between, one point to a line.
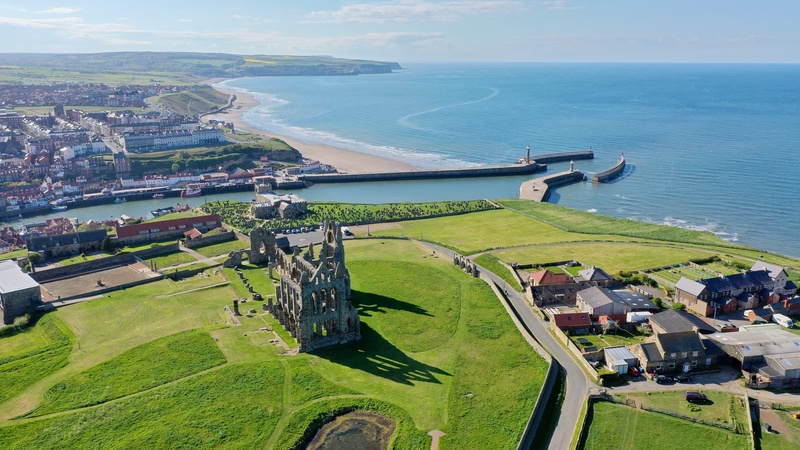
x=563, y=156
x=486, y=171
x=538, y=189
x=608, y=174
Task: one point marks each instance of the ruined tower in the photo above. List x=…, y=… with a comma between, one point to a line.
x=313, y=299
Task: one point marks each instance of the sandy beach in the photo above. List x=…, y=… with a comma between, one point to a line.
x=344, y=160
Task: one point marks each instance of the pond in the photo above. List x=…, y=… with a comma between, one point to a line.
x=359, y=429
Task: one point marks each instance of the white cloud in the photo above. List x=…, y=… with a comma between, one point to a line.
x=41, y=23
x=560, y=5
x=405, y=11
x=59, y=10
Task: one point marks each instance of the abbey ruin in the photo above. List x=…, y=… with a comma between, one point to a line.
x=313, y=298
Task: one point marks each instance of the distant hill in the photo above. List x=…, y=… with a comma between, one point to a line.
x=200, y=65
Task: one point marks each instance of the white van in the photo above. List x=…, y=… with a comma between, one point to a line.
x=782, y=320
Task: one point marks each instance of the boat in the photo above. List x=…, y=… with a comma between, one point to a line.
x=120, y=200
x=191, y=191
x=157, y=196
x=59, y=208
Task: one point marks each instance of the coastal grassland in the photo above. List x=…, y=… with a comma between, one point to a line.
x=44, y=110
x=171, y=259
x=485, y=230
x=433, y=384
x=611, y=256
x=32, y=354
x=771, y=441
x=494, y=265
x=722, y=407
x=194, y=102
x=235, y=406
x=143, y=367
x=623, y=428
x=585, y=222
x=229, y=157
x=222, y=248
x=38, y=76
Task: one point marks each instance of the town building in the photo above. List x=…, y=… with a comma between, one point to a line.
x=67, y=244
x=19, y=293
x=166, y=229
x=151, y=142
x=545, y=277
x=599, y=301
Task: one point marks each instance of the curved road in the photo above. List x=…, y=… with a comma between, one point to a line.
x=577, y=387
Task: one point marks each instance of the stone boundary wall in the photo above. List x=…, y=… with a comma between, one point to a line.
x=215, y=239
x=561, y=336
x=101, y=264
x=755, y=438
x=587, y=420
x=526, y=440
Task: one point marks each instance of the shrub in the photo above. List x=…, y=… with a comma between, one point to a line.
x=34, y=257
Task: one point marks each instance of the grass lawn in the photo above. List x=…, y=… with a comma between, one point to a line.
x=612, y=257
x=32, y=354
x=480, y=231
x=172, y=216
x=171, y=259
x=18, y=253
x=223, y=248
x=610, y=340
x=81, y=259
x=165, y=359
x=425, y=346
x=492, y=264
x=623, y=428
x=586, y=222
x=722, y=407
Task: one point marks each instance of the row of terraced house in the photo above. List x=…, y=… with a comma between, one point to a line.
x=763, y=284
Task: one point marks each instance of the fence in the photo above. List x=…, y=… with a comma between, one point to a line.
x=560, y=335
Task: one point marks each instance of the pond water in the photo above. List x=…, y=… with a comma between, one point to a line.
x=359, y=429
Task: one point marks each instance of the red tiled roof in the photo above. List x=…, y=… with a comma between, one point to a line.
x=545, y=276
x=194, y=233
x=619, y=318
x=572, y=320
x=181, y=225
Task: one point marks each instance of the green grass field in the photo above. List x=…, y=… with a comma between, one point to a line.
x=171, y=259
x=623, y=428
x=223, y=248
x=722, y=407
x=612, y=257
x=425, y=346
x=141, y=368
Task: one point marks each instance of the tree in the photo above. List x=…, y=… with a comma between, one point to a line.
x=679, y=307
x=34, y=257
x=108, y=245
x=176, y=167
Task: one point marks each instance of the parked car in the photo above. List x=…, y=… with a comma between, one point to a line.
x=663, y=379
x=683, y=378
x=633, y=371
x=693, y=397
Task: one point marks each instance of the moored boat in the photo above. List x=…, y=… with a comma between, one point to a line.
x=157, y=196
x=120, y=200
x=191, y=191
x=59, y=208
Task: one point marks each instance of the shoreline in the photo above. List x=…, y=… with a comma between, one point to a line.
x=345, y=161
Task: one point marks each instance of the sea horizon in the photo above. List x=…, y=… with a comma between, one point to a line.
x=697, y=136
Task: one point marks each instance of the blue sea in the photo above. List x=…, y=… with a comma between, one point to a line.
x=711, y=147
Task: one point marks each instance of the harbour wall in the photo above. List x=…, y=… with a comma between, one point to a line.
x=563, y=156
x=538, y=190
x=490, y=171
x=606, y=175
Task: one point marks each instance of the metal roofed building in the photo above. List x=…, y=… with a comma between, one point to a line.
x=620, y=359
x=19, y=293
x=770, y=356
x=672, y=321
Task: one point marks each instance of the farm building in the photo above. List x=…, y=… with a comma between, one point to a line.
x=675, y=352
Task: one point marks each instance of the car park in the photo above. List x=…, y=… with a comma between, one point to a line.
x=694, y=397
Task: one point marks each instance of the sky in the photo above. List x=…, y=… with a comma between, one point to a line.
x=417, y=30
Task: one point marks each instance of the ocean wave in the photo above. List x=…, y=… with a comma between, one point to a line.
x=592, y=210
x=711, y=227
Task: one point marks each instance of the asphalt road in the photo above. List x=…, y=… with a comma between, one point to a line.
x=577, y=386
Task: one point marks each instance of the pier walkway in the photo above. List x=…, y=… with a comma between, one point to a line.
x=486, y=171
x=538, y=189
x=609, y=174
x=563, y=156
